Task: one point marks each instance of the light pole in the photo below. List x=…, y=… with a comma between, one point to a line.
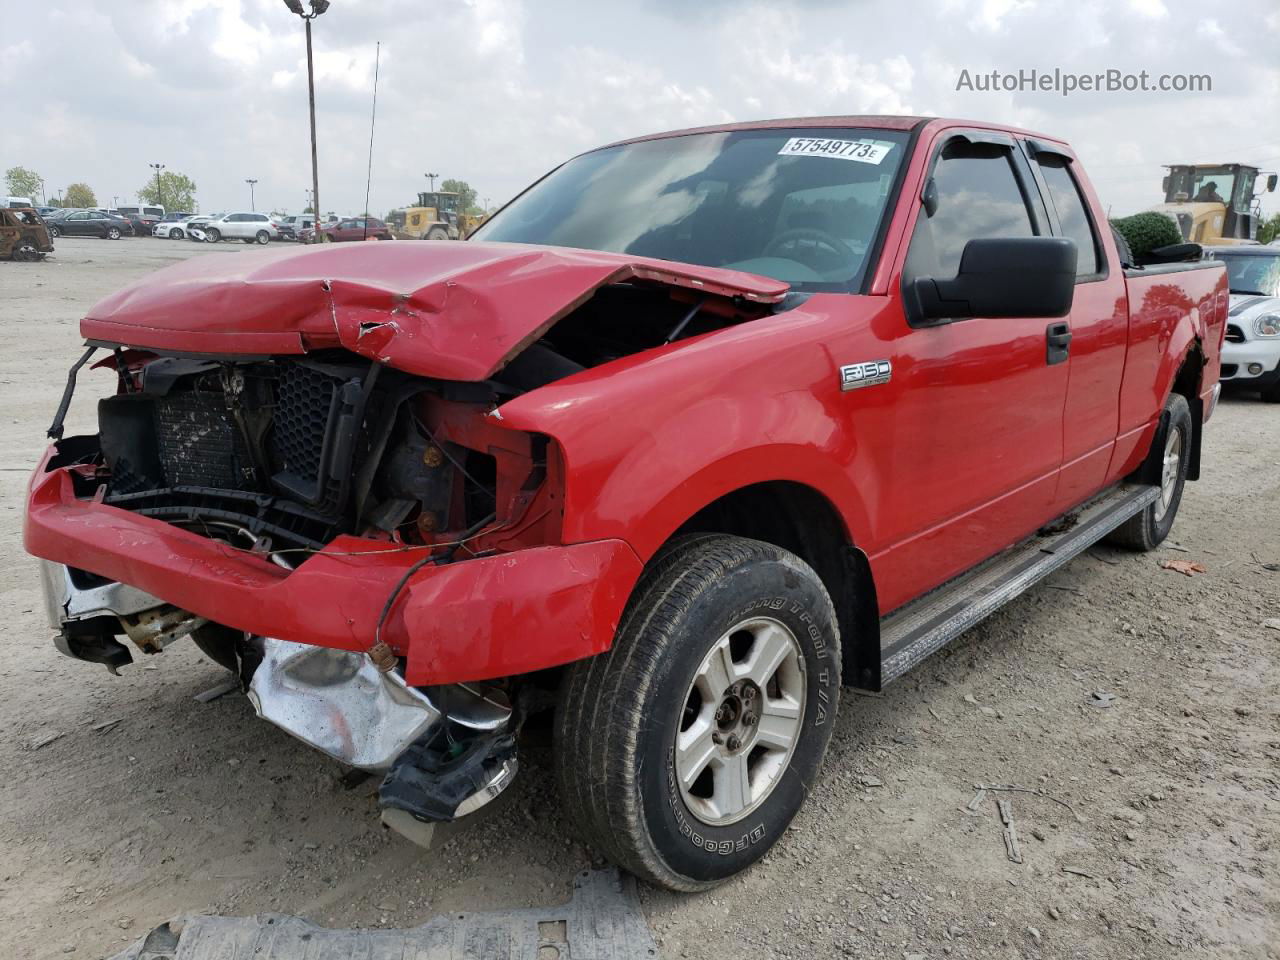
x=43, y=195
x=157, y=167
x=317, y=7
x=431, y=181
x=251, y=183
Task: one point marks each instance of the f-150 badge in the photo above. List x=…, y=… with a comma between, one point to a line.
x=855, y=375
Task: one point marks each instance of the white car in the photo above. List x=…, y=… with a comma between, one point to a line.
x=172, y=229
x=240, y=225
x=1251, y=353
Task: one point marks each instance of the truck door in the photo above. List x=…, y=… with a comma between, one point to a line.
x=1098, y=328
x=977, y=413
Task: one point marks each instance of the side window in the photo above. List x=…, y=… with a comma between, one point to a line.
x=259, y=218
x=978, y=198
x=1073, y=216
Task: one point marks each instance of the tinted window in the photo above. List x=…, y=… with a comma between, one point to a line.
x=1073, y=218
x=259, y=218
x=799, y=205
x=978, y=198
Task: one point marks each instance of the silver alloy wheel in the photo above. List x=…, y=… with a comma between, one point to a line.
x=740, y=721
x=113, y=233
x=1170, y=470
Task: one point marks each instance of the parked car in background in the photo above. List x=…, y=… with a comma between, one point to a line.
x=293, y=224
x=173, y=226
x=352, y=228
x=46, y=211
x=142, y=224
x=15, y=203
x=249, y=227
x=195, y=226
x=90, y=223
x=155, y=212
x=23, y=234
x=1251, y=353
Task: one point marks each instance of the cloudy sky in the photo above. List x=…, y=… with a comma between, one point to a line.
x=498, y=91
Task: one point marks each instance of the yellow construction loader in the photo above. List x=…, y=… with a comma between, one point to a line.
x=1215, y=203
x=437, y=216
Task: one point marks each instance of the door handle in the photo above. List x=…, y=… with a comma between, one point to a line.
x=1057, y=339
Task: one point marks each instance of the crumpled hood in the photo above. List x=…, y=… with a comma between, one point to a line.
x=456, y=311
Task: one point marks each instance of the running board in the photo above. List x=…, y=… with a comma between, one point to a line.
x=926, y=624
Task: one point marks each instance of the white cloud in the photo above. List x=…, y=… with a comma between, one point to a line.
x=499, y=91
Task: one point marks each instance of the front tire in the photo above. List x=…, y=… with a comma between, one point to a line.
x=684, y=752
x=175, y=234
x=1147, y=529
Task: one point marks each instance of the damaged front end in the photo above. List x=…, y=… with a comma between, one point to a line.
x=304, y=466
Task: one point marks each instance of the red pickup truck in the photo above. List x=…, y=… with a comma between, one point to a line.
x=698, y=428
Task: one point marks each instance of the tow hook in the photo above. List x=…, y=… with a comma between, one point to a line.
x=439, y=779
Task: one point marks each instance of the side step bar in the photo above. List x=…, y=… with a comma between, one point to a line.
x=926, y=624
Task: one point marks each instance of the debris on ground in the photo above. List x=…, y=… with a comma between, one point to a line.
x=603, y=921
x=47, y=739
x=1101, y=699
x=1187, y=568
x=1010, y=832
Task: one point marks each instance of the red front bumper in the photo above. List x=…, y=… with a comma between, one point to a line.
x=469, y=620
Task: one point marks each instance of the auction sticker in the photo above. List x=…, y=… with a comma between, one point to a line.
x=863, y=151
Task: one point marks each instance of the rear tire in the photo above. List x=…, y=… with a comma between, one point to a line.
x=213, y=235
x=54, y=232
x=684, y=752
x=1147, y=529
x=113, y=233
x=262, y=237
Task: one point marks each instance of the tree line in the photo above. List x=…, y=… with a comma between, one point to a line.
x=171, y=190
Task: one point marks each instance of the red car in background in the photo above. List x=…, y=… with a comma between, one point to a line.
x=356, y=228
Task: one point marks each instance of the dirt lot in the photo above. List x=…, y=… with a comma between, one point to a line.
x=1172, y=849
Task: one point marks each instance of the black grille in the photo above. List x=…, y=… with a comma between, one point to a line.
x=307, y=398
x=1234, y=334
x=199, y=444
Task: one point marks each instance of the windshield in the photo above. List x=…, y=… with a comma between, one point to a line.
x=801, y=206
x=1256, y=273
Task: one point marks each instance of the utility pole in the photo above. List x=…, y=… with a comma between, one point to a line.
x=317, y=7
x=431, y=181
x=157, y=167
x=251, y=183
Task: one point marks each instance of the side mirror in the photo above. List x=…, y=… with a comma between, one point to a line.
x=1271, y=183
x=1002, y=277
x=1164, y=184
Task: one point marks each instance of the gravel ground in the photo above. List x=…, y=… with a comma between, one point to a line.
x=1164, y=842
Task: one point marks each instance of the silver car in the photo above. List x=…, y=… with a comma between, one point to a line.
x=251, y=227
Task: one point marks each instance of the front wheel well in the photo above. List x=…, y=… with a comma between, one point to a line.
x=803, y=521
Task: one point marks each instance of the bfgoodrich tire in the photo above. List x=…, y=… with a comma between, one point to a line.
x=1147, y=529
x=685, y=751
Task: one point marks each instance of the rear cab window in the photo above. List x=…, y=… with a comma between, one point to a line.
x=1074, y=220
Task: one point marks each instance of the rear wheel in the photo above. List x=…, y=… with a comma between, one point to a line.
x=113, y=233
x=263, y=237
x=1147, y=529
x=26, y=250
x=54, y=232
x=685, y=751
x=213, y=234
x=437, y=233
